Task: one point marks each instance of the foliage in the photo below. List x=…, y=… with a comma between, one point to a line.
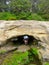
x=22, y=15
x=29, y=16
x=22, y=58
x=15, y=59
x=46, y=16
x=7, y=16
x=35, y=16
x=24, y=9
x=20, y=5
x=33, y=56
x=47, y=63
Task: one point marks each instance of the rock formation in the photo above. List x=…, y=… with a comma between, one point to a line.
x=38, y=29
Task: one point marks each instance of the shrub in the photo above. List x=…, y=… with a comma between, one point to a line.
x=22, y=15
x=45, y=16
x=7, y=16
x=35, y=16
x=33, y=56
x=29, y=16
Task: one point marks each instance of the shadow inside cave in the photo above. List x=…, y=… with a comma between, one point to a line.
x=23, y=40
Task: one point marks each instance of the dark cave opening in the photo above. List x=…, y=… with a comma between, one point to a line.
x=23, y=39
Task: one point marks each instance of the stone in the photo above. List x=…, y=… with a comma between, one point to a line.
x=38, y=29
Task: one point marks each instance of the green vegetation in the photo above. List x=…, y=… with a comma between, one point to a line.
x=7, y=16
x=24, y=9
x=29, y=57
x=15, y=59
x=21, y=16
x=33, y=56
x=2, y=51
x=35, y=16
x=47, y=63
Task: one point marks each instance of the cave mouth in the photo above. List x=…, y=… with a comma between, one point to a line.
x=23, y=39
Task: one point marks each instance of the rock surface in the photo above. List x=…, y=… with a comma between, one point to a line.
x=38, y=29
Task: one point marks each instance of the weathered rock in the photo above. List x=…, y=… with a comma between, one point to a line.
x=40, y=30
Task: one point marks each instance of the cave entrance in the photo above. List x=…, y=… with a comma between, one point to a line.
x=26, y=40
x=23, y=39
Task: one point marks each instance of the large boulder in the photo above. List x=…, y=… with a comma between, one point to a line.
x=38, y=29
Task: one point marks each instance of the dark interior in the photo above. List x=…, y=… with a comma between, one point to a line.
x=19, y=39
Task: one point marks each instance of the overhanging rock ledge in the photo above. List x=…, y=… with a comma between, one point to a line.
x=38, y=29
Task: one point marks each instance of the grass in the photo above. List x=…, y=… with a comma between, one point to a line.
x=21, y=16
x=7, y=16
x=20, y=58
x=15, y=59
x=35, y=16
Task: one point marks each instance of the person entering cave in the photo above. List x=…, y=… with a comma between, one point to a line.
x=26, y=40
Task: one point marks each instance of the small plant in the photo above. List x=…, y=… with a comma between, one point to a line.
x=34, y=57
